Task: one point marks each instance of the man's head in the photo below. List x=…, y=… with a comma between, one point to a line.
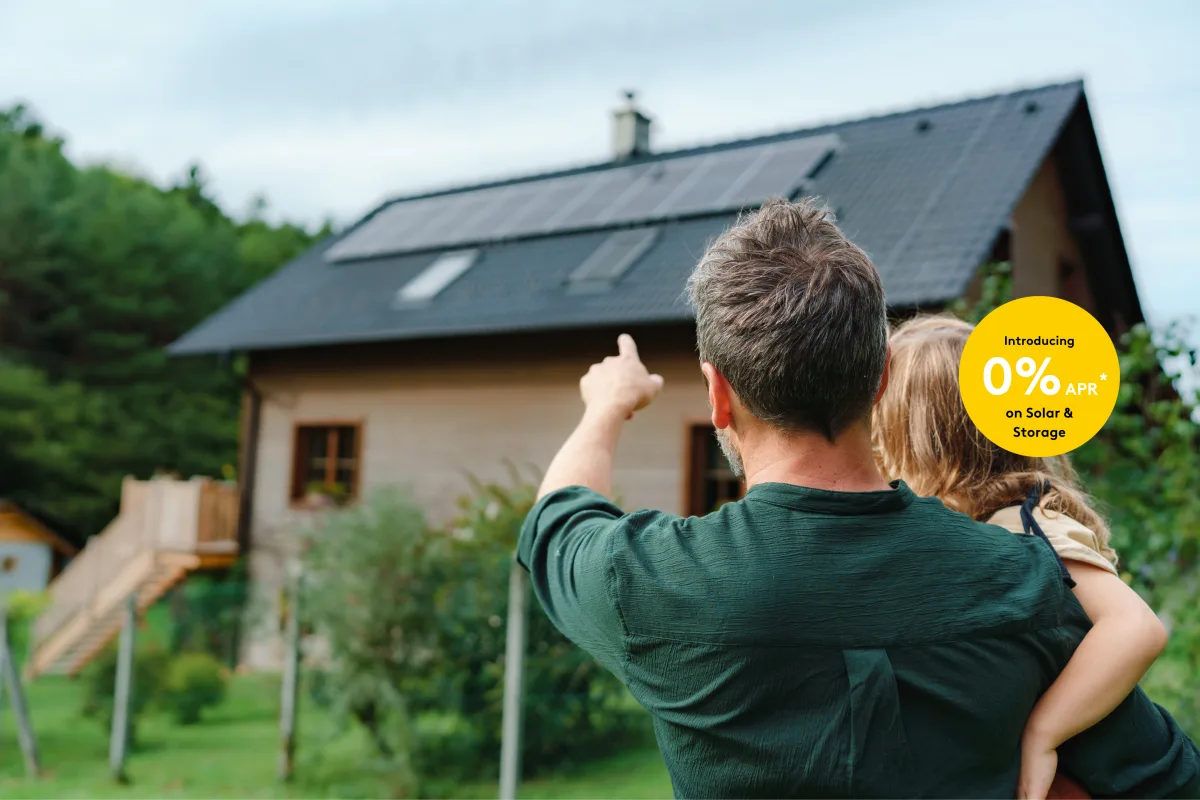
x=791, y=323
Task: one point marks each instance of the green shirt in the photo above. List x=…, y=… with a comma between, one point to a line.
x=803, y=642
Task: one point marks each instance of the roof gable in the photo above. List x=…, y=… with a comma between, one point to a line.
x=16, y=524
x=924, y=192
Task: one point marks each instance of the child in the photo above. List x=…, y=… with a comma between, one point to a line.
x=923, y=436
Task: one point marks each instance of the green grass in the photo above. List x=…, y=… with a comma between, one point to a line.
x=234, y=751
x=638, y=775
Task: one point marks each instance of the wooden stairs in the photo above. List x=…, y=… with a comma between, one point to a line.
x=165, y=530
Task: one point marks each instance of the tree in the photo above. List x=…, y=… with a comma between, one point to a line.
x=1144, y=468
x=99, y=272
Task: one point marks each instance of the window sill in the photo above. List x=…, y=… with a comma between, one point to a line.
x=314, y=505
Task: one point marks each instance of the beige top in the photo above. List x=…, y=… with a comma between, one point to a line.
x=1071, y=539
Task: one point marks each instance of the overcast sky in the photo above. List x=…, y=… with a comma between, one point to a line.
x=326, y=107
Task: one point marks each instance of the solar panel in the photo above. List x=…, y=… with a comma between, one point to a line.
x=455, y=222
x=614, y=190
x=508, y=203
x=389, y=231
x=643, y=192
x=550, y=203
x=612, y=259
x=715, y=181
x=656, y=184
x=780, y=173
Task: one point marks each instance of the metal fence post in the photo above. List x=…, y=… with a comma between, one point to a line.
x=10, y=677
x=514, y=682
x=290, y=688
x=119, y=740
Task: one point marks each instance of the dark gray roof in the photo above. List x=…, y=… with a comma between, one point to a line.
x=924, y=192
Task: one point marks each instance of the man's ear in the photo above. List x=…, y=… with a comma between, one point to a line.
x=720, y=396
x=887, y=368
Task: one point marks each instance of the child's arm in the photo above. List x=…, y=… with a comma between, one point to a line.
x=1125, y=638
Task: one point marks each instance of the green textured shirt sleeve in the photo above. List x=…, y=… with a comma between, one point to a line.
x=566, y=544
x=1136, y=751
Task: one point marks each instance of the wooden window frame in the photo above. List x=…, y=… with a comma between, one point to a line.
x=695, y=470
x=298, y=487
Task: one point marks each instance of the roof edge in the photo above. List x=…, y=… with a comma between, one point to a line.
x=55, y=540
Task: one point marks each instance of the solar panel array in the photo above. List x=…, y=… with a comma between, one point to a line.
x=705, y=183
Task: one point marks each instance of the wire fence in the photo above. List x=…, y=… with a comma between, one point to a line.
x=168, y=697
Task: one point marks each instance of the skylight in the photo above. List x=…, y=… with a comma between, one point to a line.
x=611, y=260
x=436, y=277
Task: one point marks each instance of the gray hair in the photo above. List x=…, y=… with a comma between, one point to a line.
x=792, y=314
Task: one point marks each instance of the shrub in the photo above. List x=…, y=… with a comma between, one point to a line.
x=150, y=662
x=371, y=573
x=21, y=609
x=574, y=709
x=207, y=611
x=195, y=681
x=414, y=619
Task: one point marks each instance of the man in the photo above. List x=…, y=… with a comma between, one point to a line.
x=829, y=635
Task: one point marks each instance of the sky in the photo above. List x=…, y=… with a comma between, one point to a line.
x=325, y=108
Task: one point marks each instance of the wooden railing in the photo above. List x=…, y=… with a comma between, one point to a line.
x=196, y=517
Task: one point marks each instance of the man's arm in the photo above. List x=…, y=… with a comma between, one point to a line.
x=566, y=545
x=586, y=458
x=568, y=538
x=1136, y=751
x=612, y=391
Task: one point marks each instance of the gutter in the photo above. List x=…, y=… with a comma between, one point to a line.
x=248, y=468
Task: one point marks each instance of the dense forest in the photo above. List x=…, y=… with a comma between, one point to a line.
x=99, y=271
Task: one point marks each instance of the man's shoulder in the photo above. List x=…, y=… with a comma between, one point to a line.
x=959, y=529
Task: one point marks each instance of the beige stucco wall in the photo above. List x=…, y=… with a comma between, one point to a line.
x=1045, y=257
x=429, y=419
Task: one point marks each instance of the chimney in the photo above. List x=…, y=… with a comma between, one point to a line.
x=631, y=130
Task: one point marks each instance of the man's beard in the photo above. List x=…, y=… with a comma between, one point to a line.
x=731, y=453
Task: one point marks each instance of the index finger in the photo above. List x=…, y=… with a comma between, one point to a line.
x=626, y=345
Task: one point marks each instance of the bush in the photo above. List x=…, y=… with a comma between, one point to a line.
x=150, y=664
x=414, y=618
x=1144, y=467
x=575, y=710
x=21, y=609
x=371, y=572
x=206, y=613
x=195, y=681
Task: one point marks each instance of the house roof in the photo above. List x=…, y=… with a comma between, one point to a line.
x=30, y=528
x=924, y=192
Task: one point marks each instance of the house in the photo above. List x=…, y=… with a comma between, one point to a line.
x=31, y=555
x=444, y=333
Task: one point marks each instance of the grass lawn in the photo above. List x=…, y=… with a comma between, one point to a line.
x=233, y=754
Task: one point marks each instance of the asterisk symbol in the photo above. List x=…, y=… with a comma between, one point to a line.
x=1103, y=376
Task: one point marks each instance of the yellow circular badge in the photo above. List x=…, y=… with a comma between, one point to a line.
x=1039, y=376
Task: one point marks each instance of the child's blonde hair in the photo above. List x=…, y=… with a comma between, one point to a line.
x=922, y=435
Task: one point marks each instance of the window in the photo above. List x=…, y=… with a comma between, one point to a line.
x=711, y=482
x=326, y=462
x=9, y=564
x=612, y=259
x=436, y=277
